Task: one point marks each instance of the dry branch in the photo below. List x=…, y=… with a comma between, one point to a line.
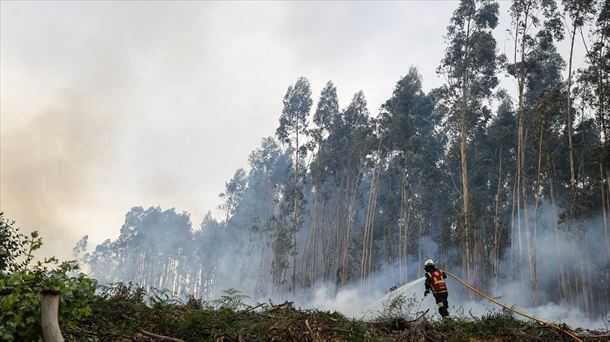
x=159, y=338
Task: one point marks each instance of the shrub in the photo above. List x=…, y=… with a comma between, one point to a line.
x=21, y=281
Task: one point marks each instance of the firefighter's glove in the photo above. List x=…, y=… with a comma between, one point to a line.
x=426, y=292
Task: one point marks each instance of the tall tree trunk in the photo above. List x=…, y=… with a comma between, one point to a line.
x=295, y=209
x=466, y=243
x=367, y=238
x=569, y=117
x=405, y=213
x=309, y=257
x=344, y=264
x=520, y=188
x=372, y=218
x=564, y=279
x=466, y=262
x=496, y=250
x=606, y=211
x=512, y=234
x=532, y=240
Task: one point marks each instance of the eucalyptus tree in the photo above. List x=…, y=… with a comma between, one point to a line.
x=525, y=25
x=469, y=66
x=407, y=122
x=293, y=125
x=579, y=11
x=206, y=257
x=542, y=111
x=326, y=114
x=326, y=119
x=253, y=217
x=355, y=139
x=152, y=250
x=268, y=164
x=231, y=197
x=594, y=89
x=499, y=147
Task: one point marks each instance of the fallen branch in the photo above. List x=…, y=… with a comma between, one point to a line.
x=285, y=304
x=160, y=338
x=247, y=310
x=597, y=336
x=420, y=317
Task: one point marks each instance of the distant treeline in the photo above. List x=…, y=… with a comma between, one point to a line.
x=505, y=185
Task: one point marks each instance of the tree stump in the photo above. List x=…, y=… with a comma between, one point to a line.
x=49, y=321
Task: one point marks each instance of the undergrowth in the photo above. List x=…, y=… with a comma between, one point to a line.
x=122, y=309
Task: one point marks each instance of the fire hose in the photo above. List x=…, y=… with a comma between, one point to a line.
x=493, y=300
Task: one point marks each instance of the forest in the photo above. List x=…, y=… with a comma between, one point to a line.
x=504, y=185
x=507, y=187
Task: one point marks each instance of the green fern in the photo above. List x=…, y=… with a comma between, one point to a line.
x=231, y=299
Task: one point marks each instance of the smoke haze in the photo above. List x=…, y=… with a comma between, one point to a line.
x=109, y=106
x=155, y=103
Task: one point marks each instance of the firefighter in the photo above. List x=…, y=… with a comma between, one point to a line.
x=435, y=283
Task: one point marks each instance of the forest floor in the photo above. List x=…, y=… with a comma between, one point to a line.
x=125, y=317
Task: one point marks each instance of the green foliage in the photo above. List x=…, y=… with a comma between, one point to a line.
x=231, y=299
x=160, y=298
x=21, y=282
x=297, y=103
x=12, y=245
x=123, y=292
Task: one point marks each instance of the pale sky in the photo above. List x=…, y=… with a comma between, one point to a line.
x=109, y=105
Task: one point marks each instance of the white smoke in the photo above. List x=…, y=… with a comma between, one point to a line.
x=247, y=270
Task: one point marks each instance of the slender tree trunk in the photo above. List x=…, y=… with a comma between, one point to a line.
x=308, y=257
x=466, y=264
x=537, y=196
x=583, y=275
x=407, y=237
x=565, y=286
x=405, y=207
x=520, y=188
x=344, y=265
x=604, y=141
x=512, y=235
x=606, y=210
x=372, y=218
x=367, y=238
x=466, y=245
x=526, y=219
x=314, y=252
x=319, y=227
x=496, y=251
x=296, y=208
x=336, y=234
x=569, y=116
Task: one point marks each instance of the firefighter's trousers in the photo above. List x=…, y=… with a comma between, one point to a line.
x=441, y=303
